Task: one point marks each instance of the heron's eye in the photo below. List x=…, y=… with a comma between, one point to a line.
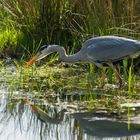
x=42, y=48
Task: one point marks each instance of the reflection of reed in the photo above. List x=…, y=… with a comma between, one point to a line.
x=19, y=118
x=43, y=116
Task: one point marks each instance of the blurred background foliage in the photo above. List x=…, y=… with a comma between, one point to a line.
x=25, y=25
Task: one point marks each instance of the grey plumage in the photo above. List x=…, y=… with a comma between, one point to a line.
x=105, y=50
x=98, y=50
x=109, y=49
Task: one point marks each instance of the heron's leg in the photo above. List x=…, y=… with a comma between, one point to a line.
x=103, y=77
x=117, y=72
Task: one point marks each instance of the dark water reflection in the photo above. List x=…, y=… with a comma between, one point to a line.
x=20, y=119
x=26, y=119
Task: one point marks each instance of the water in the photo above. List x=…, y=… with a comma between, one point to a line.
x=26, y=116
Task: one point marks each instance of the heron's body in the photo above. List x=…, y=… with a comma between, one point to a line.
x=101, y=51
x=105, y=50
x=110, y=49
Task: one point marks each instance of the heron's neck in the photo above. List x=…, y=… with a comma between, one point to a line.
x=69, y=58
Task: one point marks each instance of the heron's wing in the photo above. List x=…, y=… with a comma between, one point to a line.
x=110, y=50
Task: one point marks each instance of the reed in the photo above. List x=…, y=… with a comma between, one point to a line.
x=129, y=81
x=69, y=23
x=26, y=25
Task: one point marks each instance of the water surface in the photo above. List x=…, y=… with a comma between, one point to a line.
x=28, y=115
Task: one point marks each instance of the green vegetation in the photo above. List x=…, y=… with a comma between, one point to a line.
x=73, y=84
x=48, y=86
x=26, y=25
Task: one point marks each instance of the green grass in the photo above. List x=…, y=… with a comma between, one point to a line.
x=71, y=84
x=129, y=81
x=70, y=25
x=26, y=25
x=9, y=40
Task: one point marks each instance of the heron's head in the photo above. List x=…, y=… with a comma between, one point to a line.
x=42, y=52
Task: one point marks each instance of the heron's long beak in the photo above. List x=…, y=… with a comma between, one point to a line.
x=35, y=58
x=31, y=61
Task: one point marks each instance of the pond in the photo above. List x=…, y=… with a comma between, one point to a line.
x=61, y=112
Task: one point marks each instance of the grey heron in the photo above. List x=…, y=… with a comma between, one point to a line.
x=102, y=51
